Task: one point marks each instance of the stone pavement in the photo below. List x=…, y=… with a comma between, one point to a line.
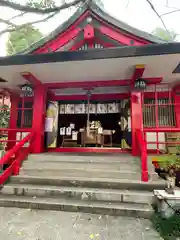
x=25, y=224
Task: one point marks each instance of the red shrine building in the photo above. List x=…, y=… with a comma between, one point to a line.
x=95, y=84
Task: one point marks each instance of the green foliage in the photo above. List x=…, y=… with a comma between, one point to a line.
x=4, y=121
x=4, y=116
x=99, y=3
x=169, y=229
x=41, y=3
x=168, y=161
x=163, y=34
x=21, y=39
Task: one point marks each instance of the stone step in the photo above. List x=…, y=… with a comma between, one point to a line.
x=82, y=173
x=80, y=166
x=109, y=183
x=88, y=157
x=120, y=209
x=79, y=193
x=91, y=173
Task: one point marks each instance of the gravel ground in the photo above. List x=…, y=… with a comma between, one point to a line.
x=25, y=224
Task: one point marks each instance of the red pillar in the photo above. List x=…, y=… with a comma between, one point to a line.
x=39, y=113
x=136, y=119
x=13, y=119
x=177, y=108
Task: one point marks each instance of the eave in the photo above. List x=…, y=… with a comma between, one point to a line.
x=97, y=68
x=99, y=13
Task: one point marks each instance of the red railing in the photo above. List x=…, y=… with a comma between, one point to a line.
x=10, y=136
x=158, y=144
x=143, y=155
x=14, y=158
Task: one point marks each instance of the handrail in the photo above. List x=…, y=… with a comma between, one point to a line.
x=15, y=149
x=19, y=153
x=162, y=129
x=143, y=155
x=15, y=129
x=161, y=142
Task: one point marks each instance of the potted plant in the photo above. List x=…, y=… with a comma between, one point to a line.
x=4, y=120
x=178, y=167
x=164, y=164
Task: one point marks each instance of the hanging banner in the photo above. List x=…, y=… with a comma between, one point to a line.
x=48, y=124
x=51, y=124
x=126, y=125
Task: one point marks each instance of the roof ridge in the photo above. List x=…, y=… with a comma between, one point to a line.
x=95, y=8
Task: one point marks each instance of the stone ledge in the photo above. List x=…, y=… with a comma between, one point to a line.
x=167, y=204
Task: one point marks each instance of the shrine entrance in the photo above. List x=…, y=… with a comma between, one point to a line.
x=88, y=124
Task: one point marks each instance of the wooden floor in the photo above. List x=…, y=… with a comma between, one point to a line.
x=89, y=149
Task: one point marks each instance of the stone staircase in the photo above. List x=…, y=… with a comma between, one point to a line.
x=96, y=183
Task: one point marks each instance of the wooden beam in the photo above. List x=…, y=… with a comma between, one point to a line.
x=33, y=80
x=93, y=84
x=138, y=72
x=95, y=97
x=64, y=37
x=120, y=37
x=77, y=45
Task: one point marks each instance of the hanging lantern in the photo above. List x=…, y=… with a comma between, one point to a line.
x=140, y=84
x=27, y=90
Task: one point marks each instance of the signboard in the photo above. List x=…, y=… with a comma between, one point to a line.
x=51, y=124
x=98, y=108
x=48, y=124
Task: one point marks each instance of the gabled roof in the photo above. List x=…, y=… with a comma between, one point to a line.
x=94, y=8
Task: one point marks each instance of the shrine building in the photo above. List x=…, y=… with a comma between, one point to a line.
x=95, y=84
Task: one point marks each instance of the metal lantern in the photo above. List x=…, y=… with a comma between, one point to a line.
x=140, y=84
x=27, y=90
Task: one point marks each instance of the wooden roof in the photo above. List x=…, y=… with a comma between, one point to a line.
x=93, y=9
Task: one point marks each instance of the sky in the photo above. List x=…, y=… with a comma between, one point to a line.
x=136, y=13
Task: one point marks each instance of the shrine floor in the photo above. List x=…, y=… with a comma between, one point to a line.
x=110, y=123
x=25, y=224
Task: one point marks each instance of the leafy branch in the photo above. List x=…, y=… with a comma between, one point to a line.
x=158, y=15
x=38, y=10
x=17, y=27
x=45, y=7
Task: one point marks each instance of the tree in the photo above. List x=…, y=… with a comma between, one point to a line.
x=4, y=122
x=42, y=11
x=47, y=9
x=4, y=116
x=21, y=39
x=169, y=35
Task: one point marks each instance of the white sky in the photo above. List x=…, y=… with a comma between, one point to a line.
x=136, y=13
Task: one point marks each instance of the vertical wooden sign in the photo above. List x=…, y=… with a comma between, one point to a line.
x=51, y=124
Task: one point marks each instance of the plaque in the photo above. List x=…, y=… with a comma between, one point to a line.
x=101, y=108
x=80, y=109
x=92, y=108
x=68, y=131
x=113, y=107
x=48, y=124
x=62, y=131
x=62, y=109
x=69, y=109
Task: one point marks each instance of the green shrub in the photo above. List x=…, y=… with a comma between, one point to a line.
x=169, y=229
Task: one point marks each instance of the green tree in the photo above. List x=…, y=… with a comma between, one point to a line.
x=163, y=34
x=4, y=122
x=41, y=3
x=4, y=116
x=21, y=39
x=46, y=9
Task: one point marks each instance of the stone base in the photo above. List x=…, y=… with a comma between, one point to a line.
x=167, y=204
